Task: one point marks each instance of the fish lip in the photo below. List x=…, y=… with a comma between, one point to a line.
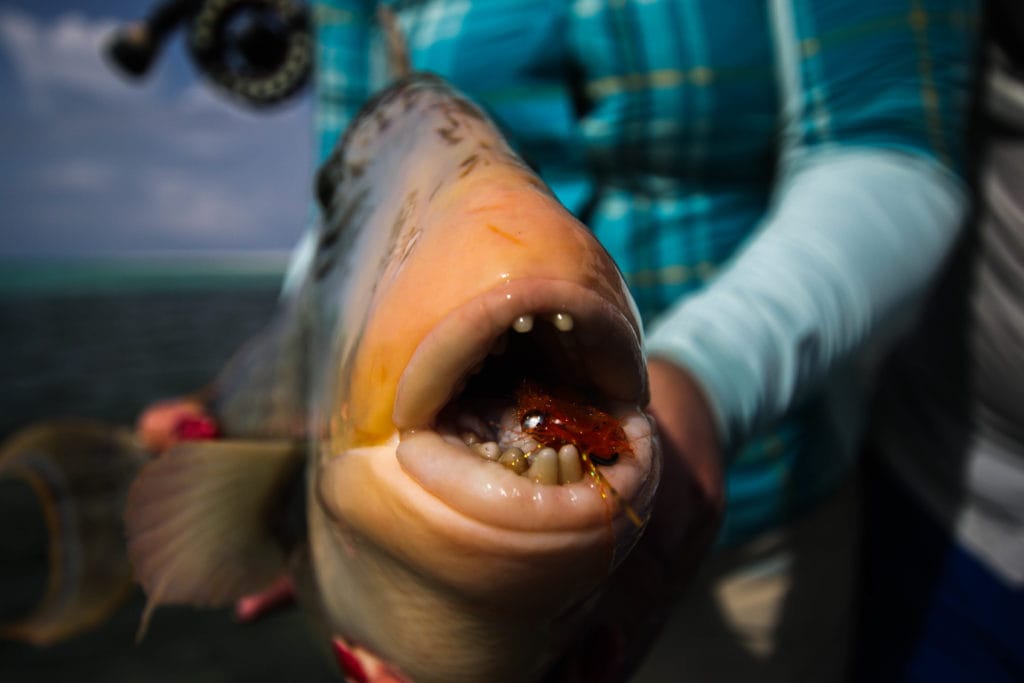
x=490, y=494
x=609, y=340
x=486, y=491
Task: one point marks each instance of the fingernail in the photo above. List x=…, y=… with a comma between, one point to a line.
x=348, y=662
x=277, y=596
x=196, y=428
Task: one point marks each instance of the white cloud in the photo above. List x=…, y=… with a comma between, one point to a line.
x=65, y=55
x=173, y=164
x=192, y=205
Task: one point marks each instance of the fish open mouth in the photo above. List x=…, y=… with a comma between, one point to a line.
x=523, y=408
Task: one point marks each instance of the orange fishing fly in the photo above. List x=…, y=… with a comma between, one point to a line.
x=554, y=421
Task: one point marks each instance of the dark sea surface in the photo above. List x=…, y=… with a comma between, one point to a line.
x=102, y=341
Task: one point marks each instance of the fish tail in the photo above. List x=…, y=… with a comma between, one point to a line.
x=398, y=50
x=63, y=561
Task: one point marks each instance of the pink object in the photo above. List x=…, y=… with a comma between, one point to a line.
x=196, y=428
x=278, y=595
x=348, y=661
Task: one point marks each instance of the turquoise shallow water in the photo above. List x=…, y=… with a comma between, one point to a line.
x=52, y=276
x=101, y=341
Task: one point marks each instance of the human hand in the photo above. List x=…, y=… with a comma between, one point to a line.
x=685, y=518
x=361, y=666
x=165, y=423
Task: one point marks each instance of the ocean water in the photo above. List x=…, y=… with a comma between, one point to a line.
x=102, y=340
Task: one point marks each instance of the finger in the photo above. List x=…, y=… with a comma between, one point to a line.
x=360, y=666
x=277, y=596
x=158, y=426
x=196, y=428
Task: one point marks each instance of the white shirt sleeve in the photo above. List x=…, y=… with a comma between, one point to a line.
x=853, y=240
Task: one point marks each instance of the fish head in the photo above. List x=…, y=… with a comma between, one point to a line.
x=468, y=291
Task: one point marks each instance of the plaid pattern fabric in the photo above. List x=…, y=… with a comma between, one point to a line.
x=661, y=125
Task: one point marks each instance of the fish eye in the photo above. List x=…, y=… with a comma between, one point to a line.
x=533, y=419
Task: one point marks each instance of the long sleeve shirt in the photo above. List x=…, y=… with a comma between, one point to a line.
x=776, y=179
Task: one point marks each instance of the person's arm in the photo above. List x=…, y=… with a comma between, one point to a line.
x=867, y=206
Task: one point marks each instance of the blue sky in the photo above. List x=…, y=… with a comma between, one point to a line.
x=95, y=165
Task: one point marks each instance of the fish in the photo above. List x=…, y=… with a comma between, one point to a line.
x=441, y=436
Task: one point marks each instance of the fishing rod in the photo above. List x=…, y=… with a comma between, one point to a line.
x=259, y=52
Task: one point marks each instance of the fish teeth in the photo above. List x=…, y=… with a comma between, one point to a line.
x=523, y=324
x=544, y=466
x=488, y=449
x=563, y=322
x=514, y=459
x=528, y=445
x=570, y=469
x=508, y=442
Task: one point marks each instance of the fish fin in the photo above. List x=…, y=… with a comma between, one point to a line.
x=261, y=392
x=202, y=521
x=79, y=472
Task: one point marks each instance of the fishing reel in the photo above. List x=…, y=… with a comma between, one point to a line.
x=257, y=51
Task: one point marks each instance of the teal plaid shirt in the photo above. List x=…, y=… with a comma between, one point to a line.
x=668, y=126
